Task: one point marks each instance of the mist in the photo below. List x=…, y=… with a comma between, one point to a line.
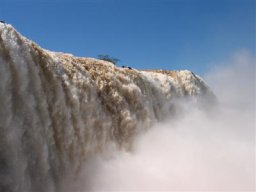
x=201, y=149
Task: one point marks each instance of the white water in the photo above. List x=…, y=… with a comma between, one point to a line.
x=58, y=111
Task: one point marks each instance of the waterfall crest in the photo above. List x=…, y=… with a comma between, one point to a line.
x=57, y=109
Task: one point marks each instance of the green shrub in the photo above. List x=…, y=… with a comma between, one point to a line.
x=108, y=58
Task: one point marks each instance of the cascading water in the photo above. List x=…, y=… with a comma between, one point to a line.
x=57, y=110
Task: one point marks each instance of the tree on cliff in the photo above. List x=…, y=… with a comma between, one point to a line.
x=106, y=57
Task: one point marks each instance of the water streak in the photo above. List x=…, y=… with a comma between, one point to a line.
x=58, y=110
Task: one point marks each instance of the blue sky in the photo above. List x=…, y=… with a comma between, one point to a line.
x=144, y=34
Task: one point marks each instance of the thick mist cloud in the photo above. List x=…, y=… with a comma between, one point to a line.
x=200, y=150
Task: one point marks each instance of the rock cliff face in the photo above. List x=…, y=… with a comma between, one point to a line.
x=57, y=109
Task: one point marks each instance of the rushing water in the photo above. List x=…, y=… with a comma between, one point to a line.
x=57, y=110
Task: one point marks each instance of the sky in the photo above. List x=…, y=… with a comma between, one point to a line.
x=144, y=34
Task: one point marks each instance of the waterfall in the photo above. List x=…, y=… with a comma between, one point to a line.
x=57, y=110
